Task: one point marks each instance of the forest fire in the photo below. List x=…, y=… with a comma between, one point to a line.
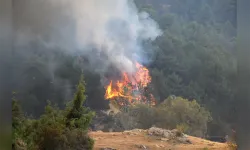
x=131, y=89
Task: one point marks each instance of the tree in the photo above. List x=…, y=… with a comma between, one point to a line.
x=174, y=112
x=179, y=111
x=65, y=129
x=17, y=115
x=17, y=125
x=55, y=129
x=79, y=116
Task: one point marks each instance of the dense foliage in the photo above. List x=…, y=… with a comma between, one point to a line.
x=195, y=55
x=193, y=59
x=174, y=112
x=56, y=129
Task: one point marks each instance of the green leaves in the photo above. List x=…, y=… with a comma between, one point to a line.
x=53, y=130
x=78, y=116
x=174, y=112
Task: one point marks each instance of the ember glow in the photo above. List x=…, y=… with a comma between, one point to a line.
x=131, y=88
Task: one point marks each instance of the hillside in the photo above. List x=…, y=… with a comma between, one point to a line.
x=139, y=139
x=165, y=63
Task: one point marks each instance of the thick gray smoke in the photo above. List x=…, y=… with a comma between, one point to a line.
x=113, y=28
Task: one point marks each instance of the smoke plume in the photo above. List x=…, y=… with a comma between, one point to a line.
x=114, y=29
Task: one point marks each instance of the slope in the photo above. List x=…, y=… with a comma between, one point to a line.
x=138, y=139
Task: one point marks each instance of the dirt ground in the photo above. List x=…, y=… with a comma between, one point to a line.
x=130, y=141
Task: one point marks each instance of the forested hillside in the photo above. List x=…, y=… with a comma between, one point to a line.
x=194, y=58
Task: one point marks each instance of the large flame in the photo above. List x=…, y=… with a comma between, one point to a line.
x=131, y=88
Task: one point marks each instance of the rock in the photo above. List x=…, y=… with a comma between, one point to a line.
x=167, y=135
x=159, y=146
x=156, y=131
x=141, y=146
x=160, y=132
x=164, y=139
x=184, y=135
x=130, y=132
x=137, y=130
x=184, y=140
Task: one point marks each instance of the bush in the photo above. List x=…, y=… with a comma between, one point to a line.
x=17, y=126
x=186, y=116
x=78, y=116
x=179, y=111
x=56, y=129
x=182, y=127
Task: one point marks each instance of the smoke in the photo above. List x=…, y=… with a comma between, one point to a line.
x=116, y=28
x=107, y=32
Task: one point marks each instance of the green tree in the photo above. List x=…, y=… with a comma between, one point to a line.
x=56, y=129
x=174, y=112
x=18, y=126
x=17, y=115
x=179, y=111
x=78, y=116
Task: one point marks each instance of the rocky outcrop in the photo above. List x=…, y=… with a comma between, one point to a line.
x=167, y=135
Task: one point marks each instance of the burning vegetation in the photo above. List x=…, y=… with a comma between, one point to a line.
x=131, y=88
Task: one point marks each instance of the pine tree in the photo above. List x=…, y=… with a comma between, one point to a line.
x=79, y=116
x=17, y=125
x=17, y=115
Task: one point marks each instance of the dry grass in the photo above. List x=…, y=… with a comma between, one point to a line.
x=125, y=141
x=232, y=146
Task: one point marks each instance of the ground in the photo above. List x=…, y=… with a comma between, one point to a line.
x=140, y=140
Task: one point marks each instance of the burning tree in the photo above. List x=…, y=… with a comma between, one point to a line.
x=131, y=89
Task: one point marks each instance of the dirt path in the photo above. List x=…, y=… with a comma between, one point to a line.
x=125, y=141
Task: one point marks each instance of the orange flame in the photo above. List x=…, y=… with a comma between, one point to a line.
x=128, y=86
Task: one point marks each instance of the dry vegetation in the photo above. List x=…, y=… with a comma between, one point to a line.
x=139, y=139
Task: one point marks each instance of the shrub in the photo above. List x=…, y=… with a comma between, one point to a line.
x=78, y=116
x=186, y=116
x=56, y=129
x=179, y=111
x=182, y=127
x=17, y=126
